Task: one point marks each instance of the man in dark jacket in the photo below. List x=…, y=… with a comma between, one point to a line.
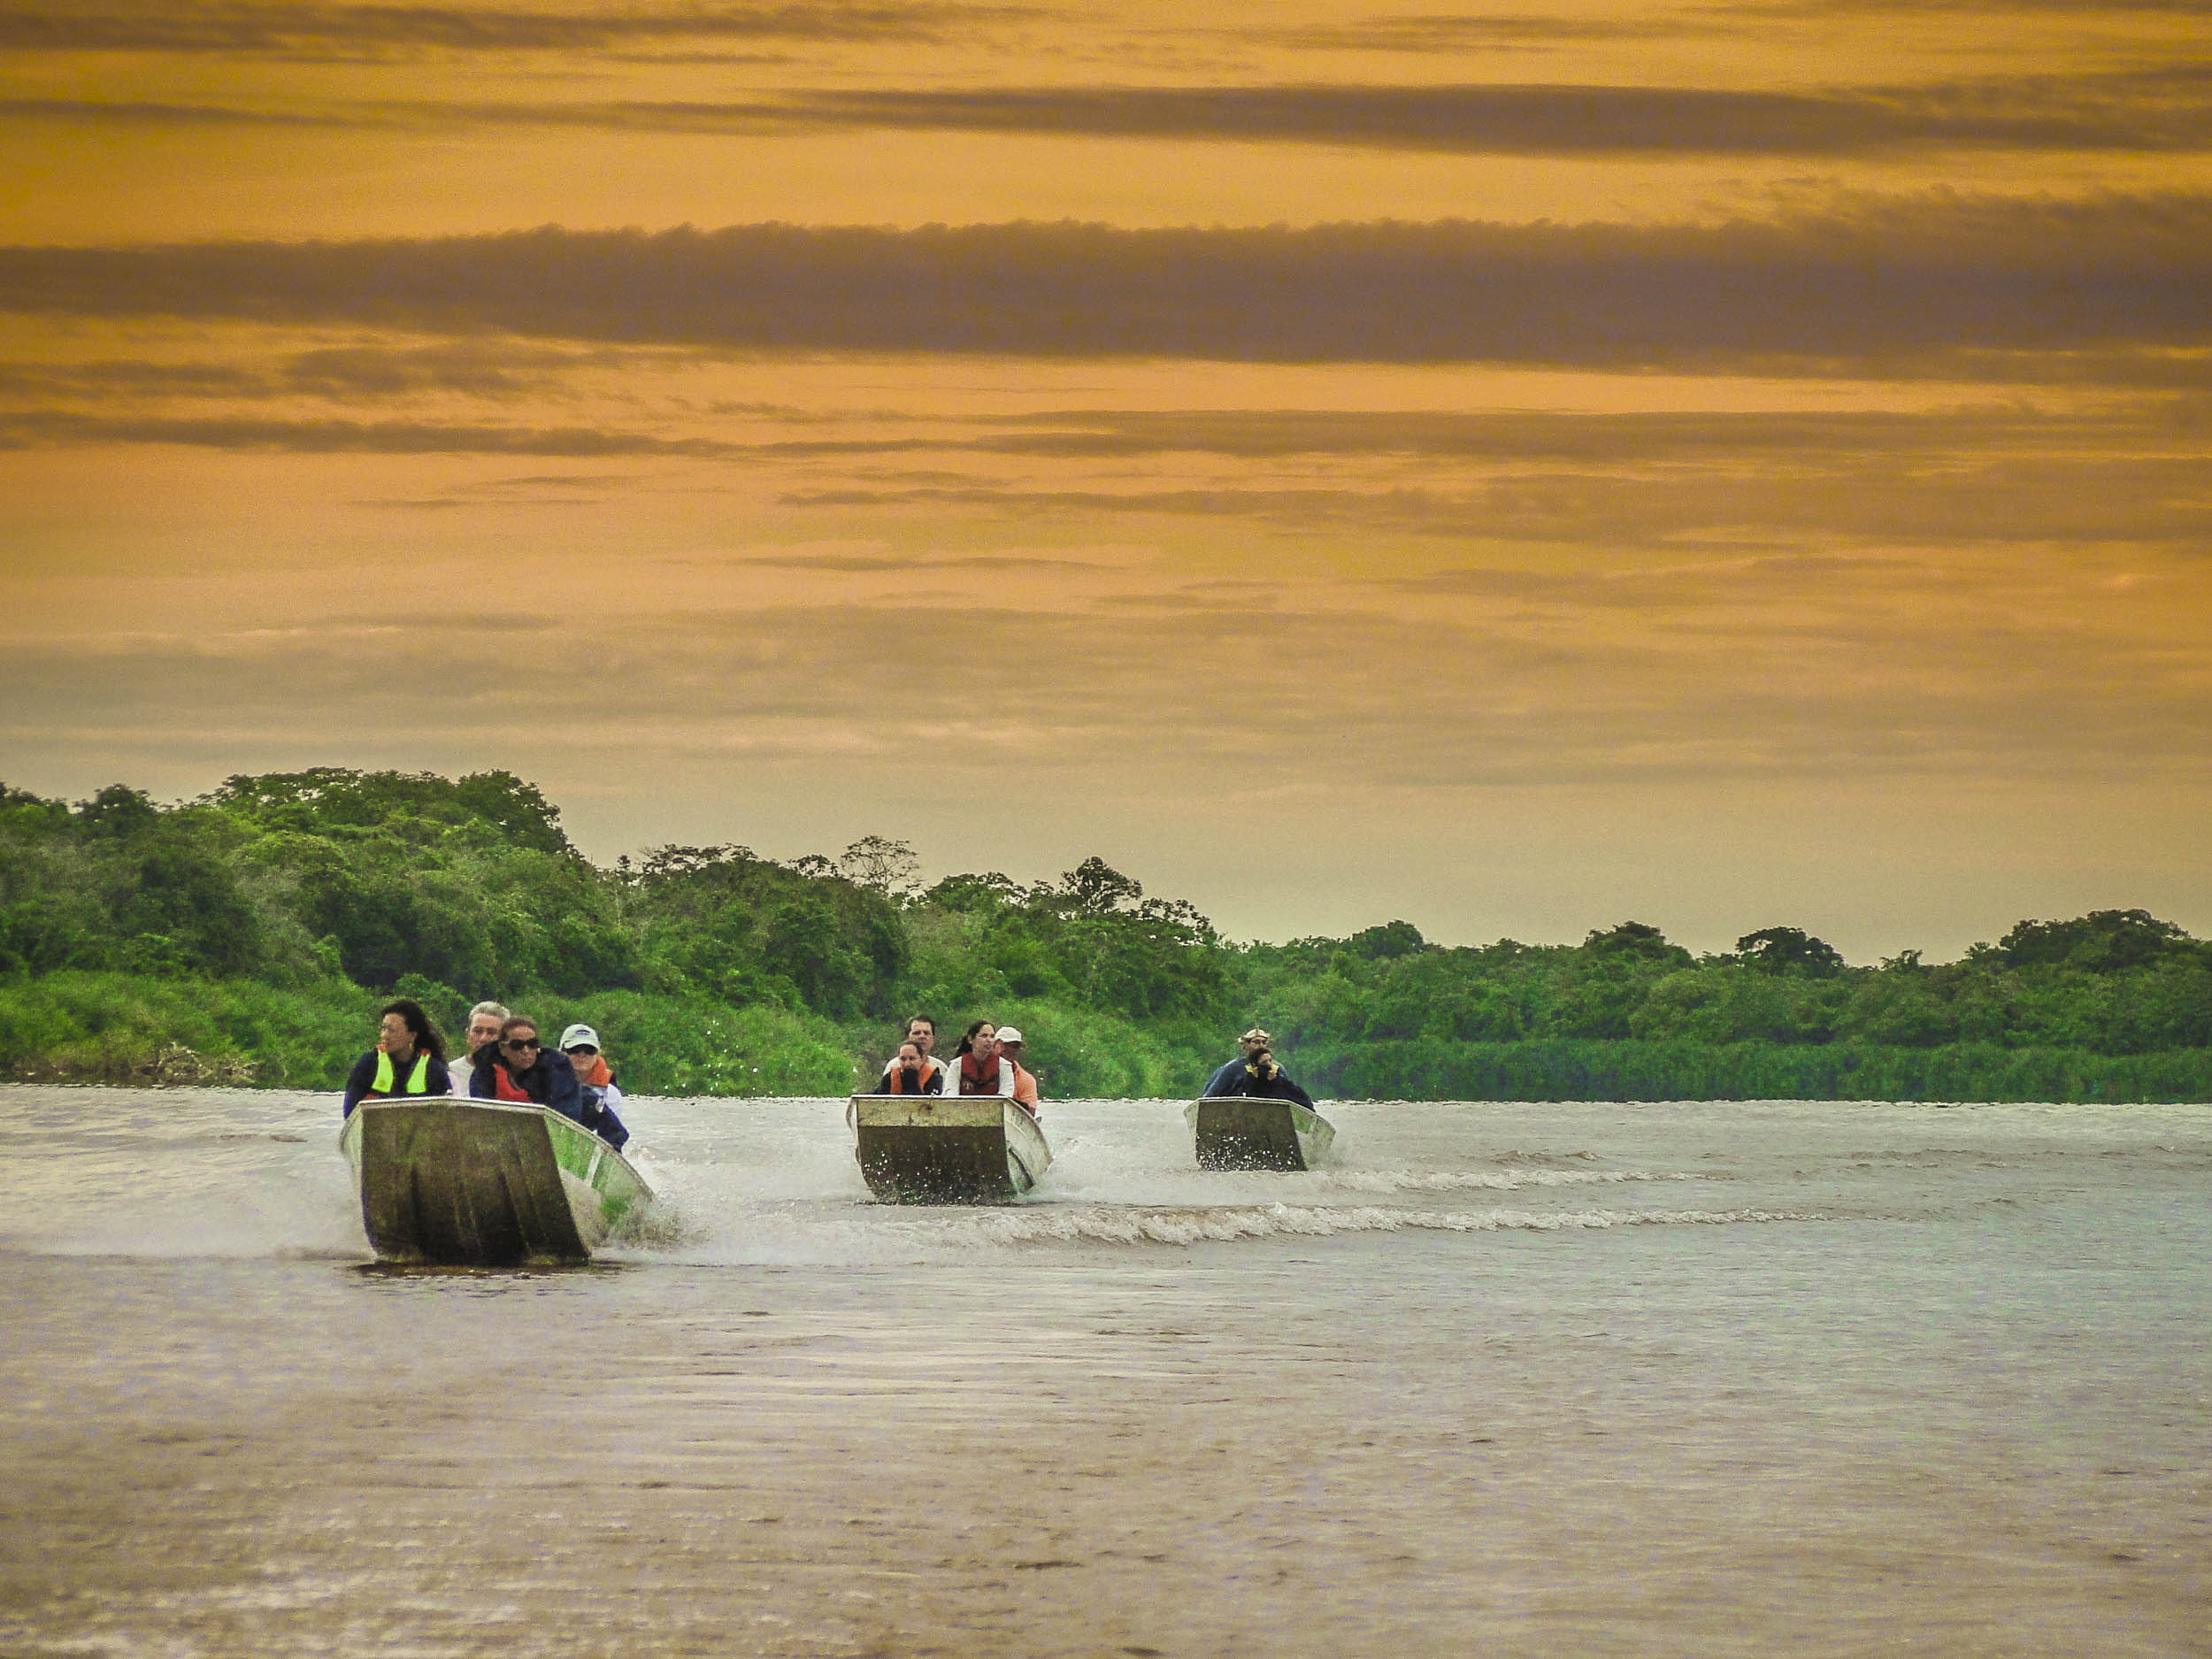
x=1256, y=1073
x=518, y=1069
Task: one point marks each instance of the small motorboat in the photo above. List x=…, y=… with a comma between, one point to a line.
x=480, y=1183
x=947, y=1149
x=1249, y=1132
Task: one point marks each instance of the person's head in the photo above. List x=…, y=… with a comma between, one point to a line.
x=519, y=1045
x=1255, y=1042
x=404, y=1029
x=1261, y=1061
x=485, y=1019
x=981, y=1040
x=579, y=1042
x=1009, y=1043
x=909, y=1057
x=921, y=1031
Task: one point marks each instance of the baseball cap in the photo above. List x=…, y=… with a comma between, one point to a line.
x=1253, y=1035
x=1009, y=1033
x=580, y=1037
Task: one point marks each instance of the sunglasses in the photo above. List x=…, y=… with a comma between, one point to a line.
x=518, y=1044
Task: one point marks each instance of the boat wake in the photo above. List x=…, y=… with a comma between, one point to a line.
x=1101, y=1225
x=1472, y=1180
x=777, y=1182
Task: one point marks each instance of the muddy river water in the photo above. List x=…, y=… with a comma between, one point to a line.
x=1579, y=1380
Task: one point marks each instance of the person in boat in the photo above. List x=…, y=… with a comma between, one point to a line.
x=408, y=1059
x=921, y=1031
x=1009, y=1048
x=911, y=1072
x=485, y=1019
x=594, y=1085
x=979, y=1066
x=1254, y=1041
x=1259, y=1074
x=521, y=1070
x=595, y=1074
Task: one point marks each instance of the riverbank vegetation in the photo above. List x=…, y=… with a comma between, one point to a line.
x=248, y=937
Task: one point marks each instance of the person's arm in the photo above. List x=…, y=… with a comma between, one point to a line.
x=563, y=1092
x=1287, y=1090
x=439, y=1079
x=1224, y=1081
x=358, y=1081
x=1005, y=1077
x=481, y=1083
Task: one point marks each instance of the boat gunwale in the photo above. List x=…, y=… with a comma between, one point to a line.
x=1311, y=1143
x=416, y=1101
x=1015, y=1123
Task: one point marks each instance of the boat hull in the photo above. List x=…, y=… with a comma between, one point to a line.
x=1242, y=1132
x=475, y=1183
x=947, y=1149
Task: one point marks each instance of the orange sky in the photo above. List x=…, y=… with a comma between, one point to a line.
x=1726, y=465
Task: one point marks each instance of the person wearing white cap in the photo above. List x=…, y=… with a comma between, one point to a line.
x=1009, y=1050
x=594, y=1075
x=1255, y=1072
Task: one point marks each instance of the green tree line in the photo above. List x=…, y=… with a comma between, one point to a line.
x=250, y=934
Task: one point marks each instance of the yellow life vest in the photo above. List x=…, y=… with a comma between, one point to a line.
x=418, y=1079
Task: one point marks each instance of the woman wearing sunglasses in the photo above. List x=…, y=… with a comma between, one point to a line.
x=519, y=1069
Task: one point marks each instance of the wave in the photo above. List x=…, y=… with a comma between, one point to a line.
x=1356, y=1180
x=1089, y=1224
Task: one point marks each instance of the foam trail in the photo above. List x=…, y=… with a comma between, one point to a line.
x=244, y=1173
x=1194, y=1226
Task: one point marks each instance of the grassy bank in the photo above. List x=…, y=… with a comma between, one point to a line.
x=92, y=1027
x=97, y=1028
x=1419, y=1069
x=123, y=1028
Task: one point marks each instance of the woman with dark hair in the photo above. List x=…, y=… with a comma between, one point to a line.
x=409, y=1058
x=980, y=1067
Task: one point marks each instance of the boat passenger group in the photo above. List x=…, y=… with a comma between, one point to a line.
x=506, y=1062
x=989, y=1062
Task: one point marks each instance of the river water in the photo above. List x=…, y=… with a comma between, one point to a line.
x=1696, y=1379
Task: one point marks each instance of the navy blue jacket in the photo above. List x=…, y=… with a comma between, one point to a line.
x=363, y=1077
x=552, y=1082
x=1238, y=1078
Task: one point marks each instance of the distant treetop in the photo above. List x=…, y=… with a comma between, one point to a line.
x=1778, y=949
x=2103, y=941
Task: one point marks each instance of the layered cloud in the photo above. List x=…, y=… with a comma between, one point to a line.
x=1927, y=276
x=2166, y=109
x=1801, y=429
x=323, y=31
x=2145, y=110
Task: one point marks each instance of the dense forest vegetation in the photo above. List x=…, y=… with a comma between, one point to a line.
x=249, y=935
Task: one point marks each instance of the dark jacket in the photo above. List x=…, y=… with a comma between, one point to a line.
x=596, y=1115
x=552, y=1082
x=363, y=1077
x=1239, y=1078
